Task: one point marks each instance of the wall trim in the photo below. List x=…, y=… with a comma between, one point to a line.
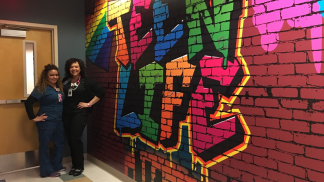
x=110, y=169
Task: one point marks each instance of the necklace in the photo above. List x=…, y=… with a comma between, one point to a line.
x=75, y=85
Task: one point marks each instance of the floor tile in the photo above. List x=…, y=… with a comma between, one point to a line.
x=31, y=175
x=67, y=177
x=91, y=173
x=85, y=179
x=97, y=174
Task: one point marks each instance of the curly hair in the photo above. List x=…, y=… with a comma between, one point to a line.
x=42, y=80
x=68, y=64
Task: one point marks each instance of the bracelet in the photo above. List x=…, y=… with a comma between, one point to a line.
x=89, y=105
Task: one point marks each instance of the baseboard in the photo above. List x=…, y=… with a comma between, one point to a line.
x=11, y=163
x=18, y=161
x=110, y=169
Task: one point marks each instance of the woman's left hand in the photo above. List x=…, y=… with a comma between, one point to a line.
x=82, y=105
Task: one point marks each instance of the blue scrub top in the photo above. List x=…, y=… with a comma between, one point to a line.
x=51, y=103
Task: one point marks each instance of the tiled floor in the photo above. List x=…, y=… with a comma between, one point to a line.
x=92, y=173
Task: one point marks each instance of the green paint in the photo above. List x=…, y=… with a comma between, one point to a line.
x=96, y=35
x=218, y=26
x=149, y=76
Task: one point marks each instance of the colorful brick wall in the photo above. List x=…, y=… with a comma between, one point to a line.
x=208, y=90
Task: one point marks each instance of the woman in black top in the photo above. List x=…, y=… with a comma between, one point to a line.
x=80, y=94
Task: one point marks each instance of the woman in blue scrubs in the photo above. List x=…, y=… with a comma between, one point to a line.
x=49, y=93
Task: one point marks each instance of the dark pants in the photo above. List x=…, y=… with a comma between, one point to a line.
x=50, y=131
x=74, y=125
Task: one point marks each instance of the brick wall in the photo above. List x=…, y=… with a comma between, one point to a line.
x=208, y=90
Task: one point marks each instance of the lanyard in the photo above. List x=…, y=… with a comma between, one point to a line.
x=78, y=82
x=73, y=87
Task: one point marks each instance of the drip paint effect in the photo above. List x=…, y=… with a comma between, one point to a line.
x=297, y=17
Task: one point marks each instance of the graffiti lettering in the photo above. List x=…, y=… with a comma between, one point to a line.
x=164, y=42
x=217, y=23
x=129, y=121
x=176, y=70
x=173, y=98
x=115, y=10
x=138, y=46
x=206, y=130
x=150, y=75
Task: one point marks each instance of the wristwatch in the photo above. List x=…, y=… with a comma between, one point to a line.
x=89, y=105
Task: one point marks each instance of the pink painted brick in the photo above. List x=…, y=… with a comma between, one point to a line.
x=296, y=11
x=274, y=5
x=259, y=9
x=203, y=137
x=261, y=1
x=267, y=17
x=302, y=1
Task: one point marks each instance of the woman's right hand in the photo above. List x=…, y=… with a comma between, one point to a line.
x=40, y=118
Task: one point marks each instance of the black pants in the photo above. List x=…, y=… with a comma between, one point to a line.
x=74, y=125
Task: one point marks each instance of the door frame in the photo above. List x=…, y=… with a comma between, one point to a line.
x=52, y=28
x=25, y=160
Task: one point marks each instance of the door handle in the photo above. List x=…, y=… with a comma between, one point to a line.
x=12, y=101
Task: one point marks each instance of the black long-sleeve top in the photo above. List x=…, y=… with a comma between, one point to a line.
x=91, y=89
x=29, y=107
x=51, y=104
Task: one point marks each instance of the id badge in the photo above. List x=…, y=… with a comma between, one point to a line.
x=59, y=97
x=70, y=93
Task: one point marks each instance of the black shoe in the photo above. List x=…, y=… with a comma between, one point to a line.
x=72, y=171
x=77, y=172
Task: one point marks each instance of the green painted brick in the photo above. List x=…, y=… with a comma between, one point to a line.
x=150, y=75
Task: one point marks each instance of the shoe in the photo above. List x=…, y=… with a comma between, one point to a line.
x=72, y=171
x=77, y=172
x=54, y=174
x=61, y=170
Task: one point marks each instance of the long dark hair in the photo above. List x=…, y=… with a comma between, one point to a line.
x=68, y=64
x=42, y=80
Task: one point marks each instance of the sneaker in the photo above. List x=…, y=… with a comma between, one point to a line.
x=61, y=170
x=54, y=174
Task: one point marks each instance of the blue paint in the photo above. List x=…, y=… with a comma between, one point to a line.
x=164, y=42
x=103, y=56
x=183, y=156
x=99, y=43
x=321, y=4
x=130, y=120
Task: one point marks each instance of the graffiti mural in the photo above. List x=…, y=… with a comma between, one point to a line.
x=208, y=90
x=179, y=67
